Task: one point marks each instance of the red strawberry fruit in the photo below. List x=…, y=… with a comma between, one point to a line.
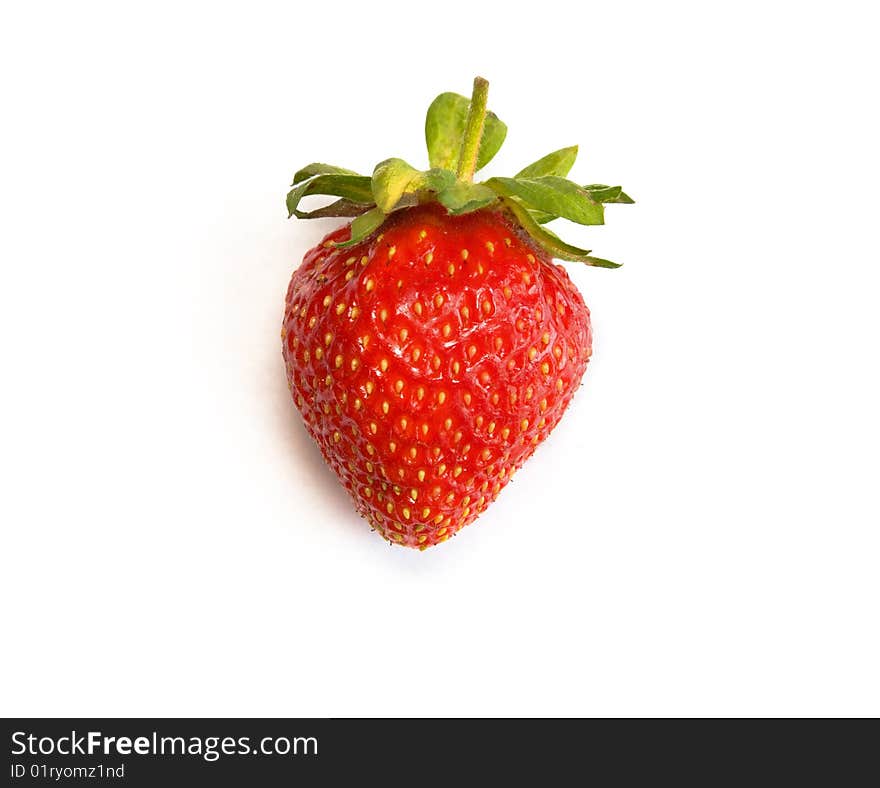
x=432, y=343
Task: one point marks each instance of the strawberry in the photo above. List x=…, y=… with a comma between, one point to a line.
x=432, y=344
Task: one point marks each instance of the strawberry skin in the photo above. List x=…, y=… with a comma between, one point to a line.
x=430, y=360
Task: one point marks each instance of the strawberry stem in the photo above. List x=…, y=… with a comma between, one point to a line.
x=473, y=131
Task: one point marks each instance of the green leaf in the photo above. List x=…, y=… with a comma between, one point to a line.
x=557, y=163
x=542, y=218
x=391, y=180
x=341, y=207
x=549, y=241
x=363, y=226
x=434, y=180
x=598, y=262
x=606, y=194
x=466, y=197
x=444, y=129
x=319, y=169
x=553, y=195
x=356, y=188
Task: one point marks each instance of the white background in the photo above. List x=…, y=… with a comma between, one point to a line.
x=700, y=536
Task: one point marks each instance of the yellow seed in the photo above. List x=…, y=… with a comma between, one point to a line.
x=467, y=398
x=420, y=392
x=390, y=507
x=413, y=452
x=371, y=450
x=429, y=258
x=530, y=258
x=559, y=384
x=435, y=362
x=464, y=254
x=369, y=386
x=328, y=380
x=455, y=367
x=505, y=432
x=543, y=404
x=507, y=292
x=457, y=437
x=398, y=386
x=319, y=354
x=365, y=260
x=338, y=361
x=457, y=471
x=447, y=330
x=414, y=494
x=524, y=425
x=370, y=284
x=354, y=364
x=451, y=269
x=336, y=437
x=532, y=353
x=385, y=407
x=406, y=512
x=392, y=447
x=350, y=261
x=302, y=312
x=424, y=430
x=487, y=307
x=545, y=368
x=441, y=397
x=383, y=365
x=447, y=424
x=485, y=454
x=354, y=312
x=340, y=308
x=383, y=314
x=421, y=475
x=490, y=246
x=441, y=469
x=423, y=235
x=326, y=301
x=507, y=241
x=312, y=321
x=417, y=307
x=545, y=337
x=391, y=251
x=373, y=427
x=426, y=513
x=328, y=338
x=465, y=312
x=404, y=423
x=368, y=492
x=438, y=300
x=416, y=353
x=369, y=466
x=495, y=398
x=491, y=428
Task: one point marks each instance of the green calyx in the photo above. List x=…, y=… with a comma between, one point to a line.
x=462, y=138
